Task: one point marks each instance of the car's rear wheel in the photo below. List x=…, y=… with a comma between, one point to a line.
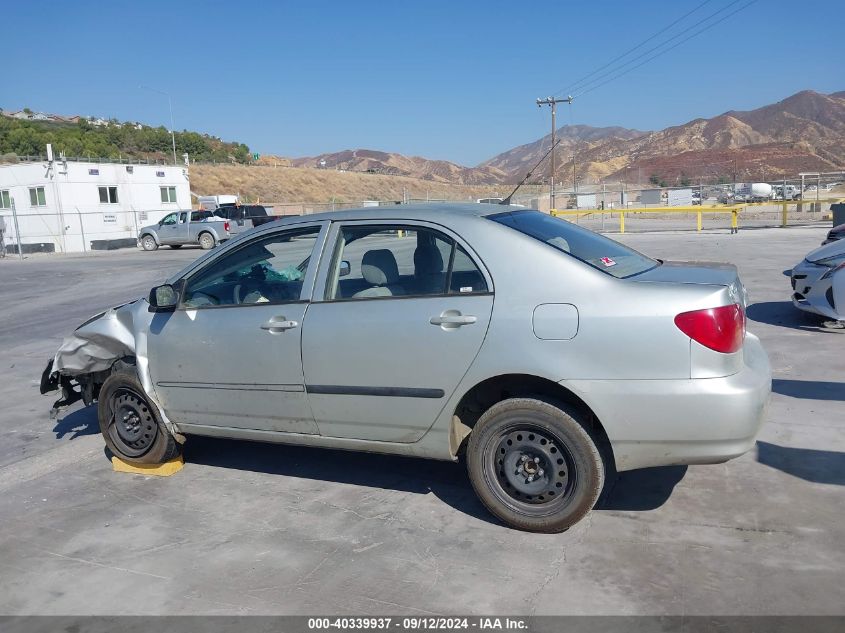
x=206, y=241
x=534, y=465
x=148, y=243
x=130, y=424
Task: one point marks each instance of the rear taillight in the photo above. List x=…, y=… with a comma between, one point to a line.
x=226, y=226
x=721, y=329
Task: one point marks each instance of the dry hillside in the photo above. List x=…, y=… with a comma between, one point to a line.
x=291, y=184
x=390, y=163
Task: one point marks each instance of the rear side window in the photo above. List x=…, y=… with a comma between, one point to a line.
x=591, y=248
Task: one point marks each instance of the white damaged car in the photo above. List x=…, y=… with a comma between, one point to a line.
x=818, y=282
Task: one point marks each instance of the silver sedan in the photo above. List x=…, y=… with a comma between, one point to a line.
x=544, y=354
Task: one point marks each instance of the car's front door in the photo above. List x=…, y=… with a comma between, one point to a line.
x=229, y=356
x=168, y=229
x=403, y=313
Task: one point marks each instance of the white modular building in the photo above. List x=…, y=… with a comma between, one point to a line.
x=65, y=206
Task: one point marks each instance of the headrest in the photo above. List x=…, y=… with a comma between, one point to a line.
x=379, y=267
x=428, y=260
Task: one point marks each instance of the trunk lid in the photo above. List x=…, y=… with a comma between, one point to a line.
x=705, y=273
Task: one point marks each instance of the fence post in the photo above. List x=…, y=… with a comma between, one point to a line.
x=698, y=221
x=783, y=217
x=622, y=222
x=17, y=230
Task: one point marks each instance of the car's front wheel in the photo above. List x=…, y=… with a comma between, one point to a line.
x=130, y=423
x=148, y=243
x=534, y=465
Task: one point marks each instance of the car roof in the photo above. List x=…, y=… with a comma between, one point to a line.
x=439, y=211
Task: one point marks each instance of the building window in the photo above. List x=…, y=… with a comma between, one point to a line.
x=5, y=200
x=168, y=194
x=108, y=195
x=37, y=197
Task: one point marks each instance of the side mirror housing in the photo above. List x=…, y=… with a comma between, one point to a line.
x=163, y=298
x=345, y=268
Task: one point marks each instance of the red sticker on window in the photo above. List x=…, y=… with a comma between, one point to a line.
x=608, y=262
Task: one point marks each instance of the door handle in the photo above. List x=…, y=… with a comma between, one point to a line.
x=452, y=320
x=279, y=324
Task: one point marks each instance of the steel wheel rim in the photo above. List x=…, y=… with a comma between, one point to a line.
x=132, y=427
x=149, y=243
x=530, y=469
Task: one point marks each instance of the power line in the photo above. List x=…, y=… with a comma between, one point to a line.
x=663, y=52
x=683, y=34
x=577, y=84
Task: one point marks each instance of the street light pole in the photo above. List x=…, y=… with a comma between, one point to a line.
x=170, y=107
x=551, y=101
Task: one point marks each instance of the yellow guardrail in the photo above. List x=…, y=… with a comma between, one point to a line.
x=698, y=210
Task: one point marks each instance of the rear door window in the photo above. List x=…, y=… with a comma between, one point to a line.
x=400, y=261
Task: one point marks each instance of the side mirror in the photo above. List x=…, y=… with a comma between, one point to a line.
x=163, y=298
x=345, y=268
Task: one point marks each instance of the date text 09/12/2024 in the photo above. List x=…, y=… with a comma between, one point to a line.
x=418, y=623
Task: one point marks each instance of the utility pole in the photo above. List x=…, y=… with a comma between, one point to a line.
x=551, y=101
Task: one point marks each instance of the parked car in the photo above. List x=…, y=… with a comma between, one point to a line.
x=186, y=227
x=818, y=282
x=834, y=234
x=545, y=354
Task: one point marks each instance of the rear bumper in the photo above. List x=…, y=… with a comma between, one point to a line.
x=696, y=421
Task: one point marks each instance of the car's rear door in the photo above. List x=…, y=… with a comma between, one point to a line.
x=229, y=356
x=404, y=311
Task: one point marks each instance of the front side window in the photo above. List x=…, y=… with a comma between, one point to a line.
x=5, y=199
x=268, y=270
x=37, y=197
x=108, y=195
x=591, y=248
x=169, y=219
x=400, y=261
x=168, y=194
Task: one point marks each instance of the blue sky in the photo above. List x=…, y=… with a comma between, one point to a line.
x=452, y=80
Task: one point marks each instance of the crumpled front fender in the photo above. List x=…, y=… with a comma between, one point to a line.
x=86, y=357
x=98, y=343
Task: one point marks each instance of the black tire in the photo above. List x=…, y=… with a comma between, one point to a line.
x=206, y=240
x=175, y=246
x=148, y=242
x=130, y=424
x=534, y=465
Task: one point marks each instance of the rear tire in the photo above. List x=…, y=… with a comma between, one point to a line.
x=130, y=423
x=534, y=465
x=206, y=240
x=148, y=243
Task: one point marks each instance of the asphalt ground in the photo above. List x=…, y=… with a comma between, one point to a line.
x=247, y=528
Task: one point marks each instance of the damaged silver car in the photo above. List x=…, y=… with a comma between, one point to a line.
x=545, y=354
x=818, y=283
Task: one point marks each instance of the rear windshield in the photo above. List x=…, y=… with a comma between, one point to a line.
x=591, y=248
